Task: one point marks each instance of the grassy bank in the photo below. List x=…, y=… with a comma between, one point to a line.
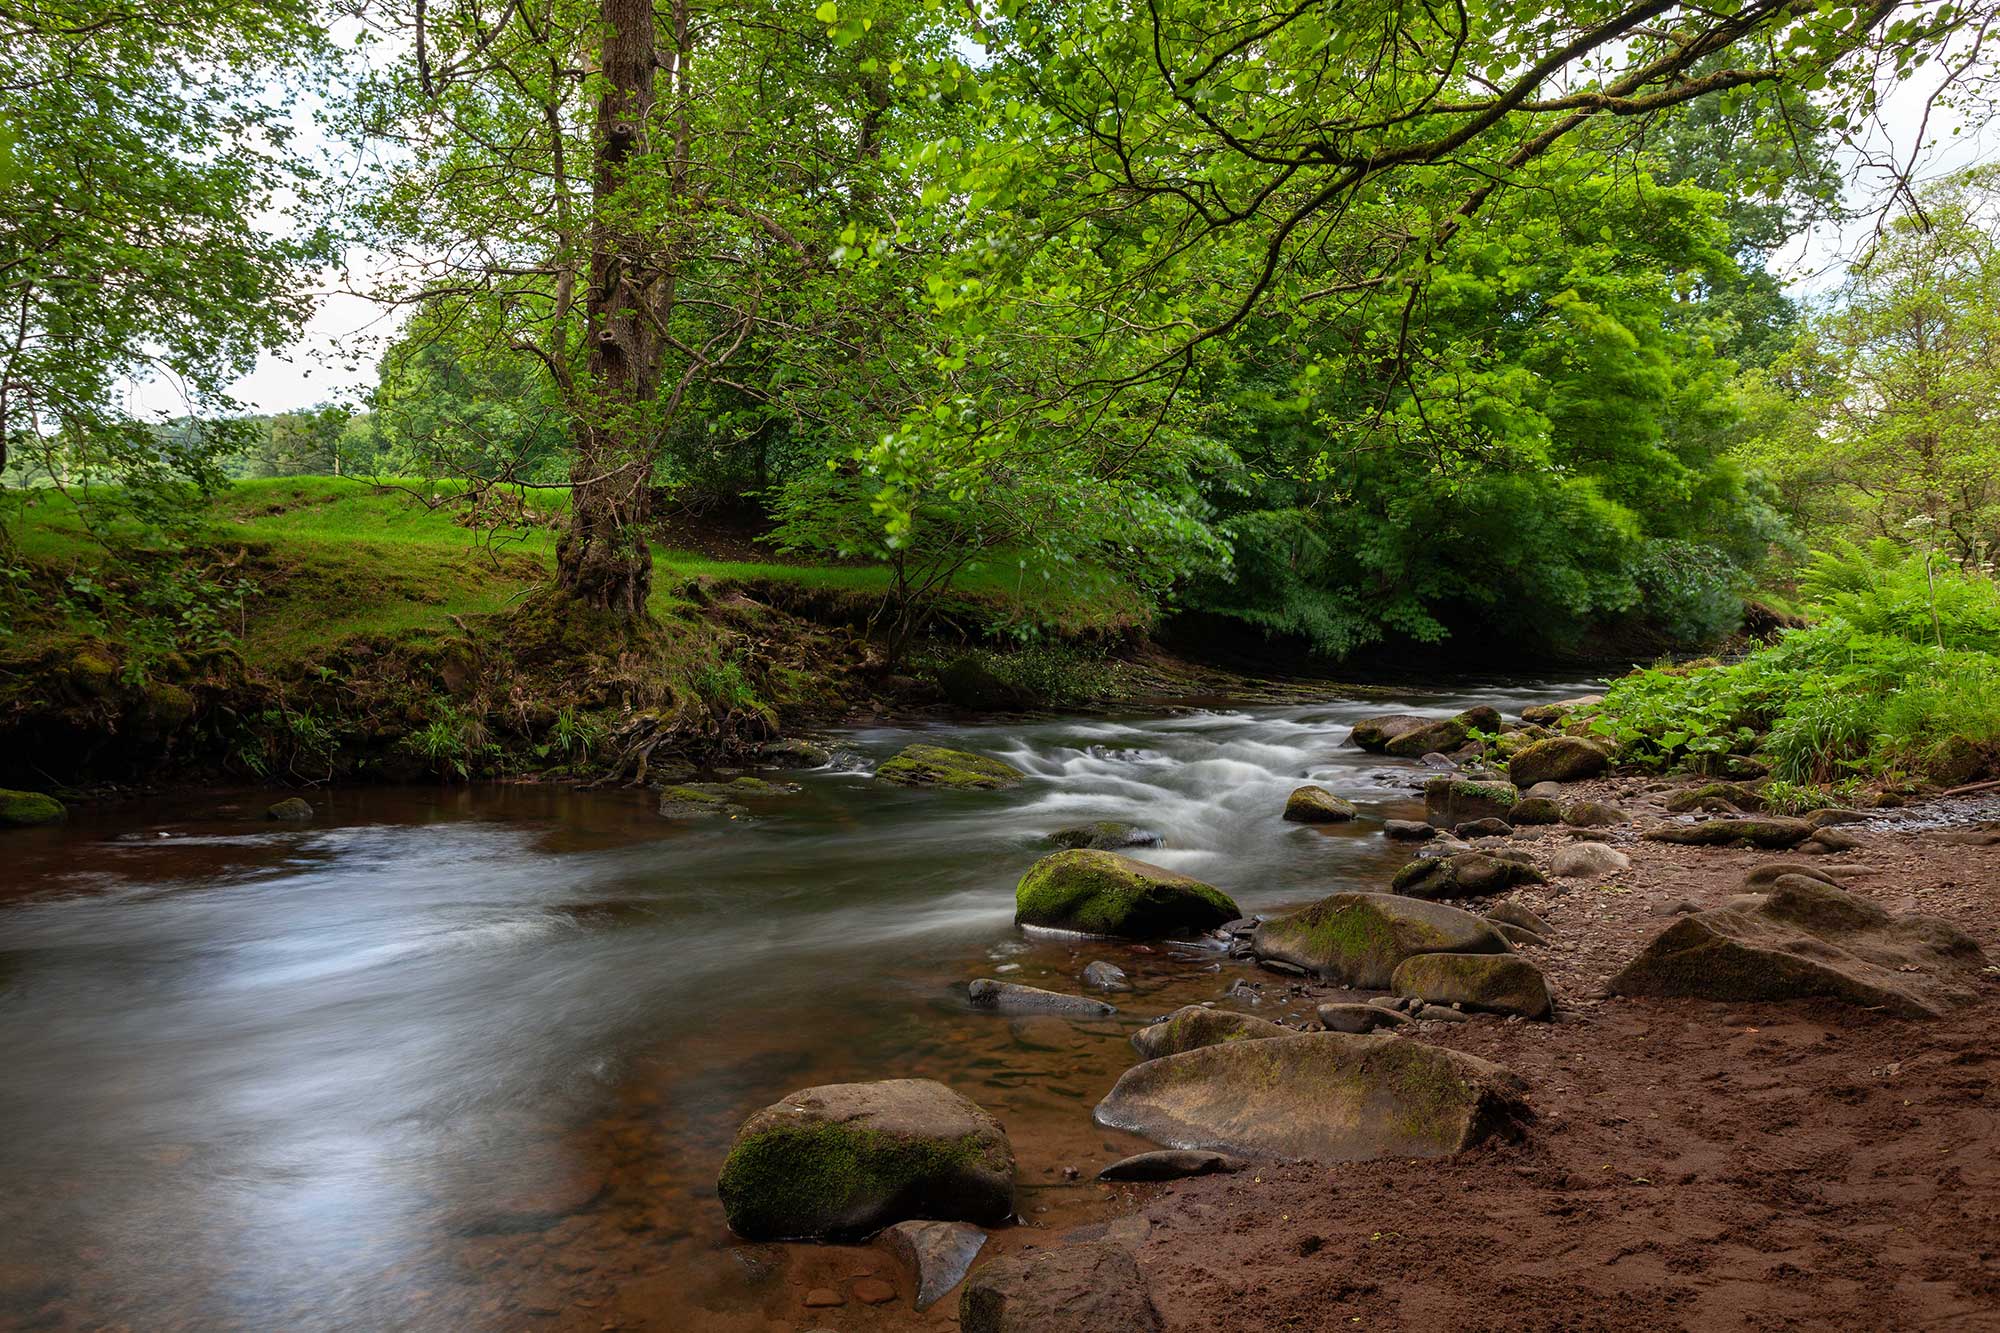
x=319, y=627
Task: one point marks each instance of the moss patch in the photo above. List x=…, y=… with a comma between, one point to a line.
x=936, y=766
x=821, y=1179
x=28, y=809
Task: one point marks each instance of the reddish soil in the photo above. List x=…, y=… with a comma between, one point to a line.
x=1695, y=1166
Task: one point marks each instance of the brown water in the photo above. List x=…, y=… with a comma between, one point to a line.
x=470, y=1058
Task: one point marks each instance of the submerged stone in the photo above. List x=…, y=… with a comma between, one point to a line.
x=937, y=1253
x=1103, y=893
x=1104, y=835
x=1004, y=997
x=291, y=809
x=936, y=766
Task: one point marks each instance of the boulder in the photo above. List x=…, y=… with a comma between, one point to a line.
x=1557, y=759
x=936, y=766
x=698, y=801
x=1762, y=877
x=1101, y=975
x=1536, y=810
x=1768, y=831
x=1484, y=828
x=1830, y=840
x=1696, y=798
x=29, y=809
x=1497, y=983
x=1549, y=715
x=1095, y=1287
x=1593, y=814
x=1432, y=737
x=1359, y=1018
x=1587, y=860
x=1004, y=997
x=1103, y=893
x=1357, y=939
x=1169, y=1164
x=1833, y=816
x=970, y=684
x=1318, y=1096
x=936, y=1253
x=1374, y=733
x=1461, y=875
x=292, y=809
x=1516, y=915
x=1193, y=1026
x=1317, y=805
x=1104, y=835
x=1407, y=830
x=1806, y=939
x=1454, y=799
x=795, y=752
x=847, y=1159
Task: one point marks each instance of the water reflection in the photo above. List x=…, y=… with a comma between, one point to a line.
x=456, y=1058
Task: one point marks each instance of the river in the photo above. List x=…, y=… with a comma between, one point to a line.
x=469, y=1057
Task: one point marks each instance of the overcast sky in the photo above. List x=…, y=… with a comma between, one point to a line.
x=334, y=359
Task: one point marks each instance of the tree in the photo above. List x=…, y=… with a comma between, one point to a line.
x=137, y=161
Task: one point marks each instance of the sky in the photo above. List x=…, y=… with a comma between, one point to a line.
x=334, y=358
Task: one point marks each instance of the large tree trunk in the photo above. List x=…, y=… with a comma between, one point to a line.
x=602, y=558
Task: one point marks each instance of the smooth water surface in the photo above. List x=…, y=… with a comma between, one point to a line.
x=470, y=1058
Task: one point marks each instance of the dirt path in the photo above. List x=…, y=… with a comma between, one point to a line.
x=1696, y=1166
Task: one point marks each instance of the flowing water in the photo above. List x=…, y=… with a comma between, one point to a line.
x=469, y=1058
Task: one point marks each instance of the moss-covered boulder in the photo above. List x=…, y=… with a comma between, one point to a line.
x=1807, y=939
x=29, y=809
x=1698, y=798
x=1496, y=983
x=1321, y=1096
x=1103, y=893
x=291, y=810
x=1557, y=759
x=1535, y=810
x=1770, y=831
x=1103, y=835
x=1316, y=805
x=1451, y=799
x=847, y=1159
x=1437, y=737
x=698, y=801
x=1193, y=1026
x=936, y=766
x=1373, y=734
x=1463, y=875
x=1593, y=814
x=1357, y=939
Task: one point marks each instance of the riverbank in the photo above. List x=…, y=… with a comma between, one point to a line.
x=1693, y=1164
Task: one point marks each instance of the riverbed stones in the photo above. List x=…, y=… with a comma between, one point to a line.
x=1005, y=997
x=1172, y=1164
x=937, y=1254
x=936, y=766
x=1104, y=976
x=1193, y=1026
x=1357, y=939
x=1316, y=805
x=1319, y=1096
x=1767, y=831
x=1557, y=759
x=1359, y=1018
x=1586, y=860
x=1451, y=799
x=1103, y=835
x=29, y=809
x=1374, y=733
x=1808, y=939
x=1495, y=983
x=846, y=1159
x=1462, y=875
x=1092, y=1287
x=1103, y=893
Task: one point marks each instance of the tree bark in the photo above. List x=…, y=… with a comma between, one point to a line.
x=602, y=558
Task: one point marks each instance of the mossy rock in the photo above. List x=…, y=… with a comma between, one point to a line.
x=29, y=809
x=1464, y=875
x=1535, y=810
x=1593, y=814
x=1321, y=1096
x=1451, y=799
x=1316, y=805
x=1103, y=893
x=1103, y=835
x=936, y=766
x=1496, y=983
x=1373, y=734
x=1696, y=798
x=1358, y=939
x=845, y=1160
x=698, y=801
x=1432, y=738
x=1772, y=832
x=1557, y=759
x=1193, y=1026
x=293, y=809
x=1810, y=940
